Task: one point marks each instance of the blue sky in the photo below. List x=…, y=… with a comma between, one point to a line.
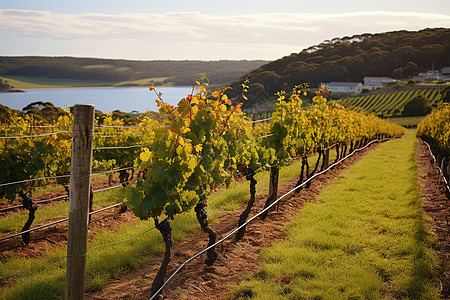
x=200, y=30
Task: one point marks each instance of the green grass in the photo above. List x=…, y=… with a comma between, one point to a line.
x=365, y=237
x=47, y=281
x=407, y=121
x=141, y=82
x=28, y=82
x=14, y=222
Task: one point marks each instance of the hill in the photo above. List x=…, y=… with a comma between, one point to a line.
x=353, y=58
x=128, y=72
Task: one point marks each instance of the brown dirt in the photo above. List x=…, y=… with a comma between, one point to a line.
x=437, y=206
x=97, y=183
x=49, y=237
x=56, y=235
x=236, y=259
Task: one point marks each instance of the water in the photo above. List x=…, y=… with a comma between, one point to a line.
x=105, y=99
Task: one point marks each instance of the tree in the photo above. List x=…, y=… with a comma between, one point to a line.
x=398, y=73
x=410, y=68
x=419, y=106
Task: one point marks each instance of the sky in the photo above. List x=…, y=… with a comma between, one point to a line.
x=200, y=30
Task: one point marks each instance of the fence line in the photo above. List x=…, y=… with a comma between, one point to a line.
x=441, y=173
x=262, y=120
x=32, y=136
x=92, y=248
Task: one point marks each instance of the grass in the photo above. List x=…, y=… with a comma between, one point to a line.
x=29, y=82
x=365, y=237
x=142, y=82
x=406, y=121
x=47, y=281
x=14, y=222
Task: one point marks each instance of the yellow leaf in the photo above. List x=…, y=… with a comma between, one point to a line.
x=145, y=154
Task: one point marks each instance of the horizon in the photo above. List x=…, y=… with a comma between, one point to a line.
x=199, y=30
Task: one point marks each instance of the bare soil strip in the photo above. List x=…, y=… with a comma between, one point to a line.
x=437, y=207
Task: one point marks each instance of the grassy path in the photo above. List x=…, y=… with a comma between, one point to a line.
x=364, y=238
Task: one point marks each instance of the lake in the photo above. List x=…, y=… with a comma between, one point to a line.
x=105, y=99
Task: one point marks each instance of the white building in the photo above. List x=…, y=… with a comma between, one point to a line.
x=428, y=76
x=372, y=83
x=445, y=71
x=343, y=87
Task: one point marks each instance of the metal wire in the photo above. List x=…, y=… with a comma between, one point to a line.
x=262, y=120
x=125, y=127
x=65, y=219
x=59, y=258
x=441, y=173
x=34, y=179
x=118, y=147
x=32, y=136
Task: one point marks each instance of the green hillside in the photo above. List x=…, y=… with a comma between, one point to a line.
x=353, y=58
x=41, y=70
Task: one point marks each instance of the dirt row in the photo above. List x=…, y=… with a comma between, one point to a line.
x=97, y=183
x=437, y=206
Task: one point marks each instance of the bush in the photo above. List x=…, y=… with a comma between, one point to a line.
x=419, y=106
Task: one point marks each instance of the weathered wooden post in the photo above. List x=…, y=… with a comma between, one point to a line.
x=326, y=159
x=80, y=184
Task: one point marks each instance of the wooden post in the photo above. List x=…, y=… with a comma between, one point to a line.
x=273, y=183
x=80, y=184
x=326, y=159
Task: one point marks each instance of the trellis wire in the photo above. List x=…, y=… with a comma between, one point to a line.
x=441, y=173
x=92, y=248
x=32, y=136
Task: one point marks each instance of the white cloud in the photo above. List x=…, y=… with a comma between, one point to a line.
x=251, y=35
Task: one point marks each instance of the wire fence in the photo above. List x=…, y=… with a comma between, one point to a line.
x=65, y=219
x=441, y=172
x=62, y=257
x=32, y=136
x=262, y=120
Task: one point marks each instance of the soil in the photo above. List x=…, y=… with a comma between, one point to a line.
x=56, y=235
x=97, y=183
x=236, y=259
x=437, y=206
x=49, y=237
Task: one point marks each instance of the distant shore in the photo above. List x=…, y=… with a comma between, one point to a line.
x=12, y=91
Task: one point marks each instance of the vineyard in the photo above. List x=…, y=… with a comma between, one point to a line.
x=190, y=168
x=391, y=103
